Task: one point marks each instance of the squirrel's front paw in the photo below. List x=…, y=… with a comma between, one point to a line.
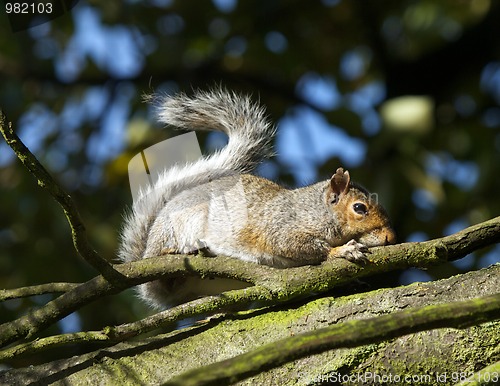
x=353, y=251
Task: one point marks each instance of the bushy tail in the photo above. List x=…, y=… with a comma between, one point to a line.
x=242, y=120
x=250, y=136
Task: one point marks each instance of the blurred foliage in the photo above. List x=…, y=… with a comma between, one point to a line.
x=73, y=89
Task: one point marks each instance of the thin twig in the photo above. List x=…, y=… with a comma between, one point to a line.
x=125, y=331
x=134, y=273
x=46, y=181
x=42, y=289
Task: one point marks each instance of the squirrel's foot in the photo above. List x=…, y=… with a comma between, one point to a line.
x=200, y=247
x=353, y=251
x=169, y=251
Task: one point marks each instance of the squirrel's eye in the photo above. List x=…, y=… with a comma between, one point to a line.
x=360, y=208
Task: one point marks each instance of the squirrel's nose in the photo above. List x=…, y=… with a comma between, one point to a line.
x=390, y=237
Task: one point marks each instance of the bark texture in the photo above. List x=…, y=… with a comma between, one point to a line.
x=441, y=352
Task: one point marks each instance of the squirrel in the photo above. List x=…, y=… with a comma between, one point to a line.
x=216, y=206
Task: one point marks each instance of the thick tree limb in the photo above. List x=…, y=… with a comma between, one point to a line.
x=348, y=334
x=45, y=180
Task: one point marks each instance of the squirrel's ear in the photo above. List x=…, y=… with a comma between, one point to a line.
x=339, y=184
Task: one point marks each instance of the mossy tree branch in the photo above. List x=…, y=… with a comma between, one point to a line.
x=352, y=333
x=270, y=284
x=414, y=354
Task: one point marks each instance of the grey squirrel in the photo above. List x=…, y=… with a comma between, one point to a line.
x=215, y=205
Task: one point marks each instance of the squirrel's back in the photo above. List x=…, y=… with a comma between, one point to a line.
x=249, y=135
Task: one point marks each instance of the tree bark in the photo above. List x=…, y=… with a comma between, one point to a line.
x=450, y=354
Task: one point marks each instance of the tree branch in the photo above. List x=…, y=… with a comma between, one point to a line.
x=46, y=181
x=348, y=334
x=33, y=290
x=133, y=273
x=270, y=284
x=232, y=335
x=125, y=331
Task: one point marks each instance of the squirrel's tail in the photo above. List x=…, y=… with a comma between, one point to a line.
x=249, y=134
x=237, y=116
